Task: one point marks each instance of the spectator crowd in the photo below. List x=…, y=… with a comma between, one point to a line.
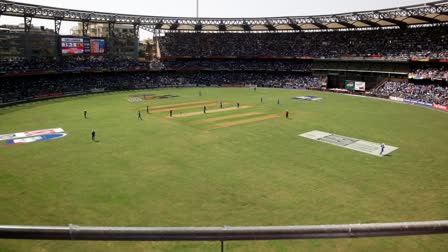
x=429, y=42
x=242, y=65
x=67, y=64
x=80, y=64
x=263, y=59
x=31, y=87
x=440, y=74
x=422, y=93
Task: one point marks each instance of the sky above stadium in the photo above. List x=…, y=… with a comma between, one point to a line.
x=211, y=8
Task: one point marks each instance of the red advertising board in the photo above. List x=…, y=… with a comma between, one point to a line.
x=442, y=107
x=60, y=93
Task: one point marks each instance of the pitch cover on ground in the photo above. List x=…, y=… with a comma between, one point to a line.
x=35, y=139
x=349, y=143
x=307, y=98
x=30, y=133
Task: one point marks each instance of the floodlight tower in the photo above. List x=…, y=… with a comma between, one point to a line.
x=197, y=8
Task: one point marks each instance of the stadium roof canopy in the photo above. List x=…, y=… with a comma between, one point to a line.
x=422, y=14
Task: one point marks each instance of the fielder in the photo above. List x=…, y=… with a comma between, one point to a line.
x=382, y=146
x=140, y=115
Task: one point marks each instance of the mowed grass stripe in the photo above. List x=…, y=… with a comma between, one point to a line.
x=183, y=108
x=208, y=112
x=239, y=122
x=179, y=104
x=222, y=118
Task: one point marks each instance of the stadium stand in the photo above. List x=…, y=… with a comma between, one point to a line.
x=422, y=93
x=298, y=52
x=389, y=43
x=67, y=64
x=238, y=64
x=430, y=74
x=20, y=88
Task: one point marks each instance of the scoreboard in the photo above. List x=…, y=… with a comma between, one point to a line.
x=72, y=46
x=82, y=45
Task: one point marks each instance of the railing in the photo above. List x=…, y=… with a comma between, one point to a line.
x=226, y=233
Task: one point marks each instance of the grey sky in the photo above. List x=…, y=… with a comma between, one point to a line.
x=213, y=8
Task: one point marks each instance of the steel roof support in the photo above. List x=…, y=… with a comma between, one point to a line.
x=85, y=27
x=136, y=30
x=57, y=25
x=174, y=26
x=28, y=23
x=111, y=26
x=198, y=26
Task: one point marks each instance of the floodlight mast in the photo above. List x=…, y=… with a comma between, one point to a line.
x=197, y=8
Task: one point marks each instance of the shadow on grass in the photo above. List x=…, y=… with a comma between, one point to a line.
x=8, y=108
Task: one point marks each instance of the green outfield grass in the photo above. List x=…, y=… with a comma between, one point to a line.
x=179, y=172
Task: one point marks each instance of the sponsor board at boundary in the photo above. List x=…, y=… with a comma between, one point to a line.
x=393, y=98
x=97, y=90
x=420, y=103
x=349, y=143
x=30, y=133
x=355, y=85
x=60, y=93
x=442, y=107
x=35, y=139
x=360, y=86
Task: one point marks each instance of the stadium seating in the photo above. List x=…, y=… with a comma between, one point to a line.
x=67, y=64
x=422, y=93
x=389, y=43
x=19, y=88
x=430, y=74
x=281, y=60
